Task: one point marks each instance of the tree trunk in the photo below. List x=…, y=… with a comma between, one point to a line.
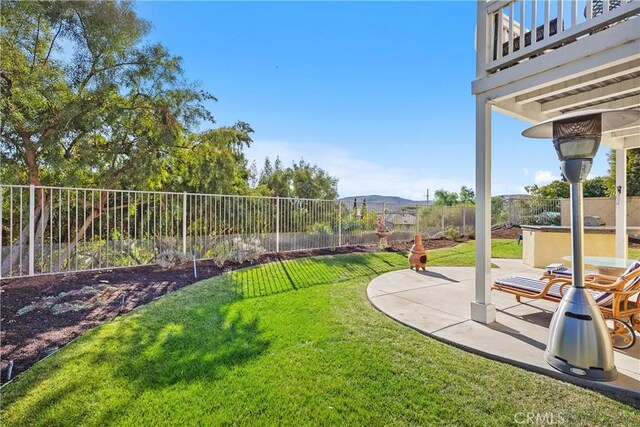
x=41, y=216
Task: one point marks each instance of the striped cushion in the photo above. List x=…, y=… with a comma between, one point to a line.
x=568, y=272
x=536, y=286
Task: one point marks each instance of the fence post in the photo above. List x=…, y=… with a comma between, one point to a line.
x=184, y=223
x=510, y=212
x=417, y=219
x=32, y=229
x=464, y=219
x=339, y=223
x=277, y=224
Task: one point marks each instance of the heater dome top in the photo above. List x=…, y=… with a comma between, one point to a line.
x=611, y=120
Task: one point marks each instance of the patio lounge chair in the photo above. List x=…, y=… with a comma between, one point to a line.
x=559, y=270
x=616, y=297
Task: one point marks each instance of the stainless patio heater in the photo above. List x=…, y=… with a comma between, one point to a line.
x=579, y=343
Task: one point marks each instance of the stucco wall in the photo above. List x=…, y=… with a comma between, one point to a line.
x=543, y=248
x=605, y=208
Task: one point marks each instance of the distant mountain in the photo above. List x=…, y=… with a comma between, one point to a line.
x=375, y=198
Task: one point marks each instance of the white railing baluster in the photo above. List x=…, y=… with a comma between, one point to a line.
x=20, y=262
x=511, y=12
x=534, y=22
x=184, y=223
x=523, y=26
x=560, y=17
x=547, y=13
x=500, y=30
x=32, y=229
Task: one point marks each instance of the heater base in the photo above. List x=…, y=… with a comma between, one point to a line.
x=587, y=374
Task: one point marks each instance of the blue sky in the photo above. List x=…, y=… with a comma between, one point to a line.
x=378, y=94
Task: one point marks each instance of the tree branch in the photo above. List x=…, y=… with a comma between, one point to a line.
x=53, y=42
x=35, y=45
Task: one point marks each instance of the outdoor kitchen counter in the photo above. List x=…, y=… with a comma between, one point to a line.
x=544, y=245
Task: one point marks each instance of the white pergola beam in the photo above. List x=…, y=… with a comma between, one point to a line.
x=597, y=94
x=626, y=132
x=630, y=141
x=528, y=112
x=625, y=103
x=578, y=82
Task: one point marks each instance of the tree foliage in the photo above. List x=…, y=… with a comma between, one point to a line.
x=211, y=162
x=301, y=180
x=554, y=190
x=446, y=198
x=451, y=198
x=467, y=195
x=594, y=187
x=633, y=172
x=104, y=111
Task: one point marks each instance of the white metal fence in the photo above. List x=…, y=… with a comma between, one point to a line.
x=54, y=230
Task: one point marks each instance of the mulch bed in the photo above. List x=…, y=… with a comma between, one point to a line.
x=43, y=313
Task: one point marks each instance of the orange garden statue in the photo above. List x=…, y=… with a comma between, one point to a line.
x=418, y=256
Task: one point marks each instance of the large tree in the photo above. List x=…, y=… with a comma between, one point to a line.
x=301, y=180
x=85, y=102
x=446, y=198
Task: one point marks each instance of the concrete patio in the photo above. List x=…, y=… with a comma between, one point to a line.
x=436, y=302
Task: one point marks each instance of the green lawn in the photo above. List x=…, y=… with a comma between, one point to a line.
x=291, y=343
x=634, y=253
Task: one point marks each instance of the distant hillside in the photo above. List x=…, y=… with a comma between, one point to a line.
x=375, y=198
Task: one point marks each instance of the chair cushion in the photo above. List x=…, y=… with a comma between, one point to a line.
x=536, y=286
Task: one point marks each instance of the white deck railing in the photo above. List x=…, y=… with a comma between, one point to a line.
x=519, y=30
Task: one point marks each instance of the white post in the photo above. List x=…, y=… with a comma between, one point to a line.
x=621, y=203
x=277, y=224
x=481, y=309
x=464, y=220
x=32, y=229
x=184, y=223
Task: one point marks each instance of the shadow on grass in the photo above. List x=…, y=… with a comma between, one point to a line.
x=290, y=275
x=195, y=336
x=203, y=339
